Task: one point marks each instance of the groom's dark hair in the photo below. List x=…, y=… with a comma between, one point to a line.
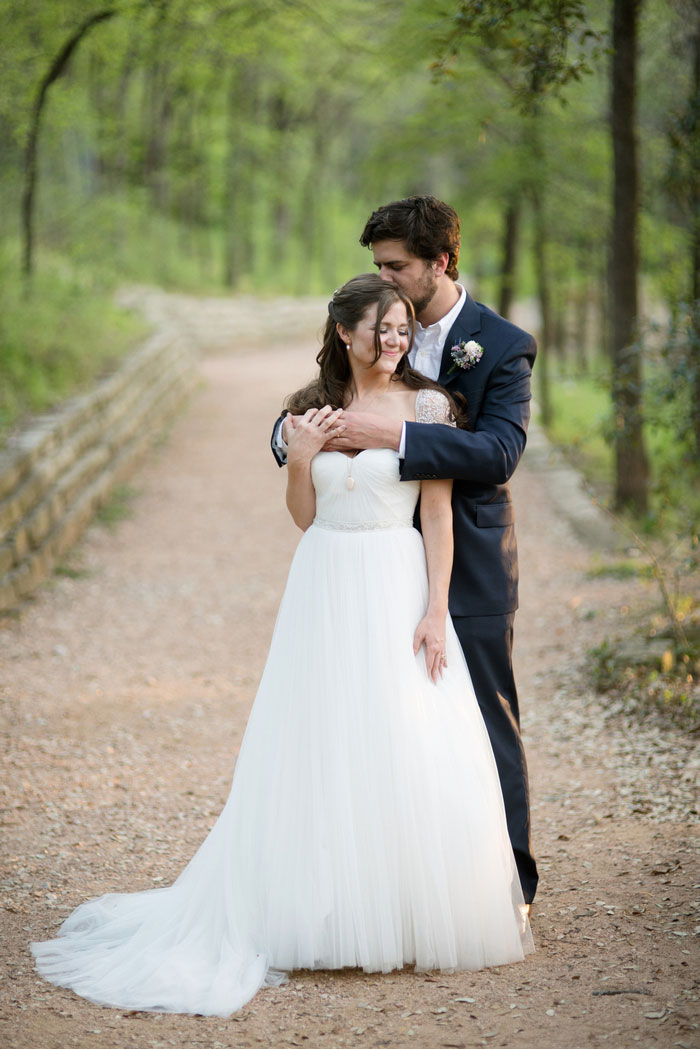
x=427, y=226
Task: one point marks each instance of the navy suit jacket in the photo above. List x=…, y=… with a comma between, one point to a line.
x=481, y=459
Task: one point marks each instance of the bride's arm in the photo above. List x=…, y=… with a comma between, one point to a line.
x=308, y=437
x=436, y=526
x=301, y=497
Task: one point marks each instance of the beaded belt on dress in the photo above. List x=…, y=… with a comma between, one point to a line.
x=361, y=526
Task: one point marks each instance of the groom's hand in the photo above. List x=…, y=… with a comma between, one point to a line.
x=366, y=430
x=289, y=424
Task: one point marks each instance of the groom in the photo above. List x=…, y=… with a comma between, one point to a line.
x=470, y=350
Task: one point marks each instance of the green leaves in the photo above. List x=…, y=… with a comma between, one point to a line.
x=536, y=47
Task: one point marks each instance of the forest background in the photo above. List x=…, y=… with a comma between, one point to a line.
x=238, y=146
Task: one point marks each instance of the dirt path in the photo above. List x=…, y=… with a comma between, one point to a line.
x=125, y=688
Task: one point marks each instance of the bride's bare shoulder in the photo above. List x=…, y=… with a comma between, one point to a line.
x=409, y=402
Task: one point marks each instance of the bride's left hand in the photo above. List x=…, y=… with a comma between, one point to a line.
x=431, y=633
x=310, y=431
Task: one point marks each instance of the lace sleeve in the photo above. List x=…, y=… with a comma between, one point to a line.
x=433, y=407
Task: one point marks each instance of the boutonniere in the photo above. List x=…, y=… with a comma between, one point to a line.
x=466, y=355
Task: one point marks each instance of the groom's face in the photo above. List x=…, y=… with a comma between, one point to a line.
x=415, y=276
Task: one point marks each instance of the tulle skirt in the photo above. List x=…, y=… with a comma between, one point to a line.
x=365, y=825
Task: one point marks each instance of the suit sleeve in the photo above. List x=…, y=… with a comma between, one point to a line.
x=490, y=452
x=279, y=448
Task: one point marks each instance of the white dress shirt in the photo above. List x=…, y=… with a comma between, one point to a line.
x=428, y=346
x=428, y=343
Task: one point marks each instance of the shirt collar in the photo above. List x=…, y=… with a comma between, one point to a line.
x=443, y=326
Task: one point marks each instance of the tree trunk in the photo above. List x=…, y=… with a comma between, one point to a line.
x=56, y=69
x=120, y=157
x=308, y=225
x=158, y=104
x=604, y=333
x=281, y=121
x=581, y=318
x=510, y=245
x=545, y=340
x=694, y=339
x=232, y=245
x=559, y=322
x=240, y=246
x=631, y=466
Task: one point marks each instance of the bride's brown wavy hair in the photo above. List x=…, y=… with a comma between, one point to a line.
x=347, y=308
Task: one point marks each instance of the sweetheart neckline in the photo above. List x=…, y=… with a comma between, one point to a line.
x=336, y=451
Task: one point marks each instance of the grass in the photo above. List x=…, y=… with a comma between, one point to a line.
x=621, y=570
x=581, y=427
x=58, y=339
x=68, y=571
x=650, y=675
x=580, y=415
x=118, y=506
x=653, y=671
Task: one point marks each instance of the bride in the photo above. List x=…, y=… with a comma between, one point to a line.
x=365, y=825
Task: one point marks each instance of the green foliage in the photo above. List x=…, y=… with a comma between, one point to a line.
x=118, y=507
x=537, y=46
x=582, y=424
x=649, y=675
x=250, y=141
x=207, y=145
x=675, y=362
x=69, y=571
x=58, y=339
x=621, y=570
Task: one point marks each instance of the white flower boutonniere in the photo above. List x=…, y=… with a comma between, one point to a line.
x=466, y=355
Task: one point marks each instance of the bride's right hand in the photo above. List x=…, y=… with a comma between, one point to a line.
x=312, y=430
x=431, y=633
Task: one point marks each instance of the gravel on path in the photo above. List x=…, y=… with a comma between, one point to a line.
x=125, y=686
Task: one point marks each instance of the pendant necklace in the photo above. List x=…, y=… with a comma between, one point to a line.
x=350, y=480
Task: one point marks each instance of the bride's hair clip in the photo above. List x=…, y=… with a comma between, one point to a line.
x=331, y=304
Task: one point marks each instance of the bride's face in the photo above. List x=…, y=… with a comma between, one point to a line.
x=394, y=334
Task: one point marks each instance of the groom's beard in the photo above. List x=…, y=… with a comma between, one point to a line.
x=423, y=292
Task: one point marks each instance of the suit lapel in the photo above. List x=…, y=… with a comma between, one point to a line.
x=467, y=325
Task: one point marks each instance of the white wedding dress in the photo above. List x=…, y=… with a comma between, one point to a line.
x=365, y=825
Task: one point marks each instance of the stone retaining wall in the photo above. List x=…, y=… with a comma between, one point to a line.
x=59, y=471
